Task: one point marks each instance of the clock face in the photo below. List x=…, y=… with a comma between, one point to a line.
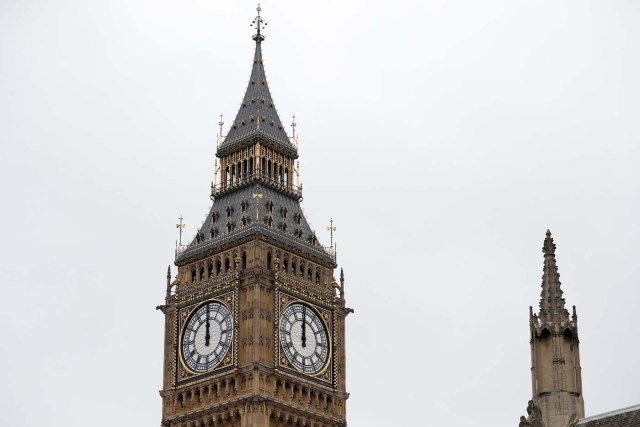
x=207, y=336
x=304, y=339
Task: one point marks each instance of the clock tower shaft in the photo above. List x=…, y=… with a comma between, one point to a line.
x=254, y=258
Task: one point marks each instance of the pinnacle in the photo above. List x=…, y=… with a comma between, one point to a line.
x=551, y=302
x=257, y=115
x=549, y=248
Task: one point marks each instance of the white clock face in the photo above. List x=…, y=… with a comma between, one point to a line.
x=304, y=339
x=207, y=336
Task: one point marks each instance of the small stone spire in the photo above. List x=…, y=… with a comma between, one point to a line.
x=169, y=281
x=552, y=305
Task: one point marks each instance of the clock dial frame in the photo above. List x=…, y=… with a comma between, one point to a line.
x=304, y=339
x=204, y=348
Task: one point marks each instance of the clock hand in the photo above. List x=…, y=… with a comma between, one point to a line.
x=207, y=337
x=304, y=326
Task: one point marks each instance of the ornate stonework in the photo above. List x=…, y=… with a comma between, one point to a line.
x=556, y=374
x=254, y=256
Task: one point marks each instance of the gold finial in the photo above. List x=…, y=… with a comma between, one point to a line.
x=259, y=23
x=293, y=126
x=180, y=226
x=331, y=228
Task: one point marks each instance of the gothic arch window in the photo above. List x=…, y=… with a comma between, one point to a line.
x=317, y=277
x=293, y=266
x=244, y=260
x=285, y=263
x=229, y=211
x=218, y=267
x=301, y=269
x=298, y=233
x=283, y=212
x=244, y=205
x=298, y=218
x=210, y=268
x=230, y=226
x=269, y=206
x=246, y=220
x=193, y=274
x=199, y=237
x=282, y=227
x=227, y=264
x=201, y=271
x=269, y=260
x=214, y=232
x=214, y=216
x=268, y=220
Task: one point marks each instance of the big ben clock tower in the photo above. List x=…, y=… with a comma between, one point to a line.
x=254, y=320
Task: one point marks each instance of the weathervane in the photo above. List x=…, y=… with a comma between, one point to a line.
x=180, y=226
x=293, y=125
x=259, y=23
x=331, y=228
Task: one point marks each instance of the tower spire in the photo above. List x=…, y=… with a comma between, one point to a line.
x=257, y=117
x=552, y=304
x=555, y=355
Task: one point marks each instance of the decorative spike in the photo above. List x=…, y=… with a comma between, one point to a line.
x=169, y=281
x=549, y=248
x=552, y=305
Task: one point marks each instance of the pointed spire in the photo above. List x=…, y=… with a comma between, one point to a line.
x=549, y=248
x=552, y=305
x=257, y=116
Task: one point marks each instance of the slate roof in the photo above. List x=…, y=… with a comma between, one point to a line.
x=626, y=417
x=228, y=209
x=257, y=116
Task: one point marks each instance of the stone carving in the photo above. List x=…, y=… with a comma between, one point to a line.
x=534, y=416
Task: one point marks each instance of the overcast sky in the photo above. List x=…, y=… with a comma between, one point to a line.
x=444, y=138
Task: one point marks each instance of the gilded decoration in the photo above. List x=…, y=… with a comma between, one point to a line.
x=212, y=285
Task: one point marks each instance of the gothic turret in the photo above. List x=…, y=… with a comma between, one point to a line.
x=555, y=356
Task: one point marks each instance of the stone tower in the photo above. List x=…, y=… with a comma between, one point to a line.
x=555, y=353
x=254, y=320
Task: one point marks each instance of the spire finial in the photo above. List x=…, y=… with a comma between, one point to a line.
x=549, y=248
x=293, y=126
x=220, y=123
x=259, y=23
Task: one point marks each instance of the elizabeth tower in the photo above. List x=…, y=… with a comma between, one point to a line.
x=254, y=320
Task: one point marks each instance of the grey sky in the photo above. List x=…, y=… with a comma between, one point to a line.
x=444, y=137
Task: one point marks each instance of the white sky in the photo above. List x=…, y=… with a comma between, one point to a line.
x=444, y=137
